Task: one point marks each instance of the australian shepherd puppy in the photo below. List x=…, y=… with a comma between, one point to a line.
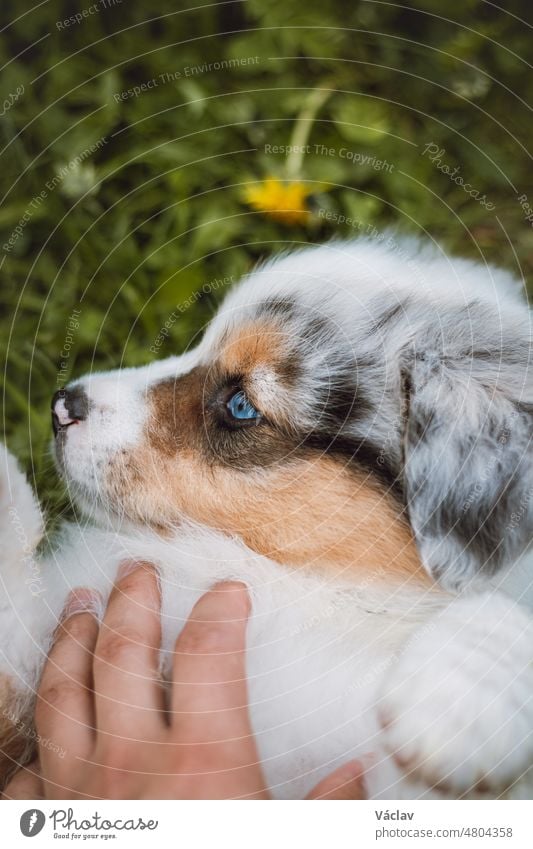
x=351, y=439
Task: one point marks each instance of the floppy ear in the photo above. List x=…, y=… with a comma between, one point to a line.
x=468, y=471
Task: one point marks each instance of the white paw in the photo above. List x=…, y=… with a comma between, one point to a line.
x=457, y=708
x=21, y=521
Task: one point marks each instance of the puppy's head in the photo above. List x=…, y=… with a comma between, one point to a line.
x=339, y=407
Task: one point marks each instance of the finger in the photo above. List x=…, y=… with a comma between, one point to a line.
x=347, y=782
x=209, y=695
x=64, y=710
x=25, y=784
x=209, y=699
x=128, y=694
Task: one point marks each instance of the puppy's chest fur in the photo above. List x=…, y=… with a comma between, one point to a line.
x=318, y=645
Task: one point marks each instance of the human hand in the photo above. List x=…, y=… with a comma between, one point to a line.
x=101, y=695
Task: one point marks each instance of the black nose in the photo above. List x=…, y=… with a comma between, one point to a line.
x=69, y=406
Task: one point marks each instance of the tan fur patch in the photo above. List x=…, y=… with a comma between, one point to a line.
x=257, y=343
x=311, y=512
x=178, y=412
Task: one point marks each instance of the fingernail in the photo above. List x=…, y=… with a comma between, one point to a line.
x=352, y=769
x=350, y=774
x=239, y=593
x=81, y=600
x=355, y=776
x=129, y=566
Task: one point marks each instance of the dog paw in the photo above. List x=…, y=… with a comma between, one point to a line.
x=456, y=709
x=21, y=520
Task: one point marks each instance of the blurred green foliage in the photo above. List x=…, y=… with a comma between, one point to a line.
x=145, y=204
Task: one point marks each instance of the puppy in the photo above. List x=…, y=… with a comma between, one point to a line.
x=351, y=438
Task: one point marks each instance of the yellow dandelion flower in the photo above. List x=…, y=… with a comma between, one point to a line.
x=283, y=201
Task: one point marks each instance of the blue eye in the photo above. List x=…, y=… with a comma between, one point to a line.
x=241, y=408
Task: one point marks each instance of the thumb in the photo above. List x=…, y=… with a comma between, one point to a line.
x=346, y=782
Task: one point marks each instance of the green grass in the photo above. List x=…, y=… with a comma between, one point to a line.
x=155, y=211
